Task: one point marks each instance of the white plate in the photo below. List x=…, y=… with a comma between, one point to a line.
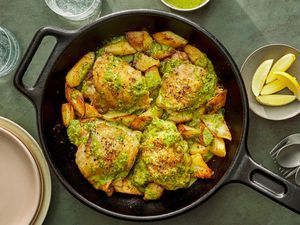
x=272, y=51
x=18, y=134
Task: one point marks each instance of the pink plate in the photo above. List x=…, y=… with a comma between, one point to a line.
x=20, y=183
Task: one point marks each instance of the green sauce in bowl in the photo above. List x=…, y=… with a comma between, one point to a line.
x=185, y=4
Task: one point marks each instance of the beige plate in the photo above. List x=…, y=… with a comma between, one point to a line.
x=33, y=179
x=272, y=51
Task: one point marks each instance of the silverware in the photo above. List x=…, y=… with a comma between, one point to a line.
x=287, y=172
x=287, y=141
x=297, y=176
x=288, y=163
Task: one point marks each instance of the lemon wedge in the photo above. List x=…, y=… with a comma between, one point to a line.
x=281, y=65
x=275, y=100
x=290, y=82
x=260, y=76
x=272, y=87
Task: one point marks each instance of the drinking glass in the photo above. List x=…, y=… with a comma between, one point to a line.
x=9, y=51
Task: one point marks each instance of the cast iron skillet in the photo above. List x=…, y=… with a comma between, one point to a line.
x=47, y=96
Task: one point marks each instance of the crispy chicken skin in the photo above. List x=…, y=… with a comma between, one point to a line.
x=164, y=158
x=119, y=85
x=181, y=87
x=106, y=151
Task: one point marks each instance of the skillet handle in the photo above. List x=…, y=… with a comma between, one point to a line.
x=248, y=172
x=34, y=93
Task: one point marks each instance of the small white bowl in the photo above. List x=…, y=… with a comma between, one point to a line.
x=183, y=9
x=272, y=51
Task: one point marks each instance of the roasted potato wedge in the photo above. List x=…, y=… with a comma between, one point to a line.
x=158, y=51
x=217, y=102
x=141, y=121
x=218, y=147
x=125, y=186
x=205, y=137
x=188, y=132
x=200, y=168
x=121, y=117
x=217, y=125
x=169, y=38
x=75, y=97
x=139, y=40
x=91, y=111
x=67, y=113
x=208, y=156
x=180, y=117
x=197, y=148
x=196, y=56
x=154, y=111
x=127, y=58
x=76, y=75
x=153, y=191
x=126, y=120
x=143, y=62
x=202, y=134
x=113, y=115
x=120, y=48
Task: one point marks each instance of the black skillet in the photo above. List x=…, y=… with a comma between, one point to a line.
x=47, y=96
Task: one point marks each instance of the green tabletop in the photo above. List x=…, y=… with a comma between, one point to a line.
x=242, y=26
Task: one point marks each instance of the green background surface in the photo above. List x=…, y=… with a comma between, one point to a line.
x=242, y=26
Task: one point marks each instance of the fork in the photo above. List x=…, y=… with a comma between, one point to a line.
x=287, y=141
x=287, y=172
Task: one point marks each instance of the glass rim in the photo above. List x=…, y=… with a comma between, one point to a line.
x=8, y=37
x=73, y=16
x=12, y=59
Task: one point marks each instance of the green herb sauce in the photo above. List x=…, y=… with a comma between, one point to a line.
x=169, y=65
x=140, y=175
x=152, y=80
x=157, y=50
x=207, y=136
x=210, y=82
x=185, y=4
x=77, y=134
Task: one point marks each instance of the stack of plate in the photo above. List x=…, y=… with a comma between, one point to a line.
x=25, y=182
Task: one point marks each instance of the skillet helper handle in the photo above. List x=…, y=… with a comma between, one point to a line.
x=266, y=182
x=34, y=93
